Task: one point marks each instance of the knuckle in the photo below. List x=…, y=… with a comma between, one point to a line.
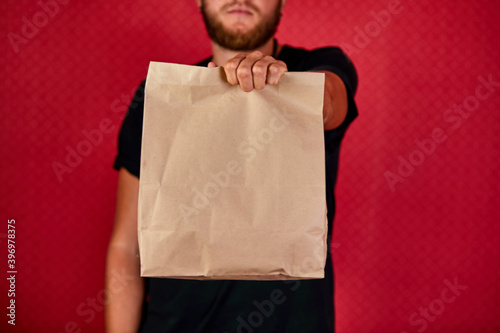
x=243, y=72
x=258, y=70
x=274, y=70
x=257, y=54
x=282, y=65
x=231, y=65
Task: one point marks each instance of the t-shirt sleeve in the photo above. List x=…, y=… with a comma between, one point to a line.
x=130, y=137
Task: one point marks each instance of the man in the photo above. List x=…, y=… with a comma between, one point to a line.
x=242, y=41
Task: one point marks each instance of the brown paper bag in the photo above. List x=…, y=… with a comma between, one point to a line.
x=232, y=183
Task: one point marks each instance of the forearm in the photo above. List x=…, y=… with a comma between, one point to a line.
x=335, y=101
x=124, y=291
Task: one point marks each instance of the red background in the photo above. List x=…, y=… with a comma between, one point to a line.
x=394, y=249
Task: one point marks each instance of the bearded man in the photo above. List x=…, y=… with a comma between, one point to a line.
x=242, y=38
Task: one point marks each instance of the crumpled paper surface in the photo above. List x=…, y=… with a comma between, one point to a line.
x=232, y=183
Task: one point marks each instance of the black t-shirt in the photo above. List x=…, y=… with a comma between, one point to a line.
x=227, y=306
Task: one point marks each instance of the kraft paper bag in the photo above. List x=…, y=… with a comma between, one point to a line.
x=232, y=183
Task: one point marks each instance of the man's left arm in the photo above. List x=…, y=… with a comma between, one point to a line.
x=255, y=71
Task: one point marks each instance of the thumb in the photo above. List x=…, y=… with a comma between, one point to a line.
x=211, y=64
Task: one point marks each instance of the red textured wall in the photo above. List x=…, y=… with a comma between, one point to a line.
x=417, y=229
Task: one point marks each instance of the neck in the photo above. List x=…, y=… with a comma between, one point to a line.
x=221, y=55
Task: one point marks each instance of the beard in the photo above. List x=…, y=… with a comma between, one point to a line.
x=240, y=41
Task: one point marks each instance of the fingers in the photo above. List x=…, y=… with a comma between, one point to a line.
x=211, y=64
x=275, y=71
x=254, y=71
x=231, y=68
